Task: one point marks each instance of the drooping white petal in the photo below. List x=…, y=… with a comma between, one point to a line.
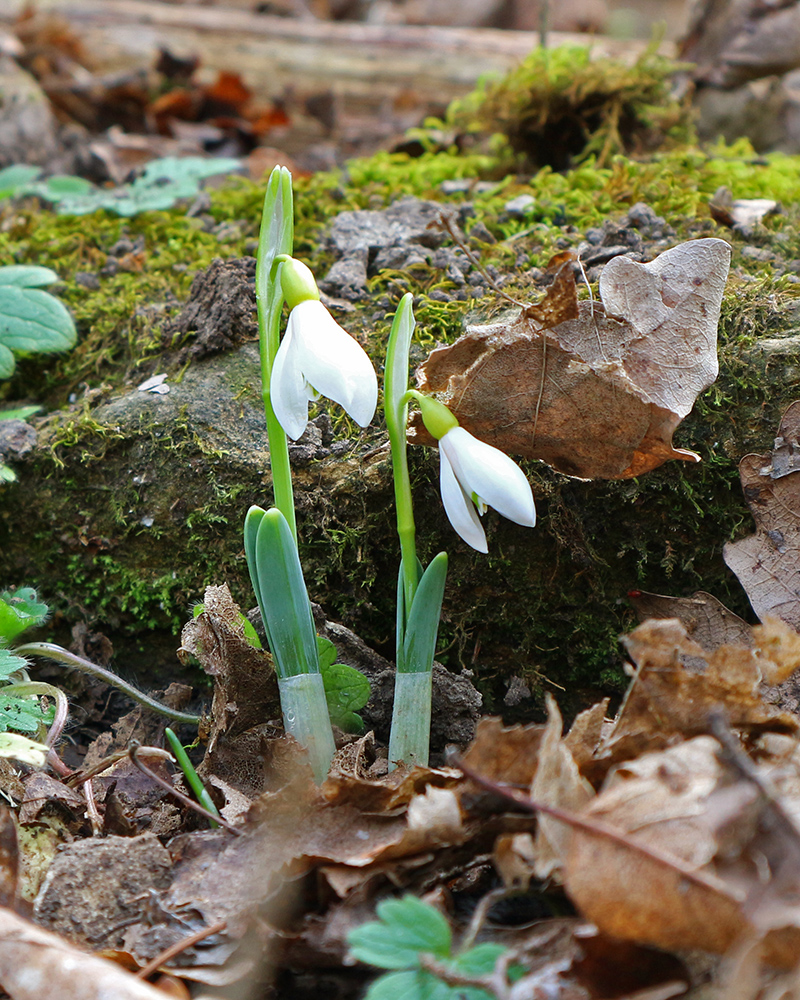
x=458, y=506
x=333, y=362
x=491, y=475
x=287, y=388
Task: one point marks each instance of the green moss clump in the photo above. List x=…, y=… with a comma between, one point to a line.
x=560, y=106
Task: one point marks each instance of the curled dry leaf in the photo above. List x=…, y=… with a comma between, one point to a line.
x=598, y=394
x=557, y=782
x=667, y=699
x=722, y=861
x=708, y=622
x=35, y=963
x=768, y=562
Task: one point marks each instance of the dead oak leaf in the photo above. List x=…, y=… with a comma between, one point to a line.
x=768, y=562
x=598, y=395
x=667, y=700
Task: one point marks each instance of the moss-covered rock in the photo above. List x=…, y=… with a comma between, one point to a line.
x=132, y=502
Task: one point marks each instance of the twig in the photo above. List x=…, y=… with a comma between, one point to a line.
x=178, y=947
x=183, y=799
x=78, y=778
x=597, y=829
x=61, y=655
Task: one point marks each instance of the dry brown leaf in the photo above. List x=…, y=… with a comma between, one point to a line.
x=628, y=893
x=245, y=687
x=778, y=647
x=598, y=396
x=557, y=782
x=505, y=754
x=709, y=862
x=768, y=562
x=35, y=964
x=666, y=699
x=708, y=622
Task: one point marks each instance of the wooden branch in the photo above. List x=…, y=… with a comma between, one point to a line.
x=367, y=66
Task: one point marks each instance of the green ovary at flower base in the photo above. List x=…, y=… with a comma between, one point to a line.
x=317, y=357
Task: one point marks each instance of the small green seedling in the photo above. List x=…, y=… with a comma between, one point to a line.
x=408, y=930
x=347, y=690
x=193, y=779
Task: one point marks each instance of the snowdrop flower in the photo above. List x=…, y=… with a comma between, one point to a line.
x=317, y=358
x=473, y=476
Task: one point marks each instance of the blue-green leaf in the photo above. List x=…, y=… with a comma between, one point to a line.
x=283, y=599
x=405, y=928
x=21, y=413
x=33, y=321
x=15, y=177
x=422, y=626
x=26, y=275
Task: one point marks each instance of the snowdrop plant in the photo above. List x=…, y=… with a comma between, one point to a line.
x=473, y=476
x=316, y=356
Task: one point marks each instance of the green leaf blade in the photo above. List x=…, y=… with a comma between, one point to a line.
x=422, y=626
x=284, y=602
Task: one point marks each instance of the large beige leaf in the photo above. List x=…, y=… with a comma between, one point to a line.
x=597, y=391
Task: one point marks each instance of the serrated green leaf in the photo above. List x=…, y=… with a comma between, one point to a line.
x=10, y=663
x=26, y=275
x=22, y=715
x=15, y=177
x=33, y=321
x=480, y=960
x=416, y=984
x=422, y=626
x=19, y=610
x=405, y=928
x=346, y=690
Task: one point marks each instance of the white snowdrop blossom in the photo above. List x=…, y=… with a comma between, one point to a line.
x=318, y=358
x=474, y=476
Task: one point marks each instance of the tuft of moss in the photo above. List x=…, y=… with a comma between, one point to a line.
x=560, y=106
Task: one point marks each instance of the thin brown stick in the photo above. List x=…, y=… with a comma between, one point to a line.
x=183, y=799
x=178, y=947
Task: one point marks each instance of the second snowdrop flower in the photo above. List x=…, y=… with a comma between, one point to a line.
x=474, y=475
x=317, y=358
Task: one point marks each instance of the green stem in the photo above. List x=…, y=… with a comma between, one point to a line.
x=395, y=408
x=61, y=655
x=192, y=777
x=275, y=241
x=23, y=688
x=411, y=719
x=306, y=718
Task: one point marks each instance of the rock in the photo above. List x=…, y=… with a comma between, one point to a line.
x=27, y=125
